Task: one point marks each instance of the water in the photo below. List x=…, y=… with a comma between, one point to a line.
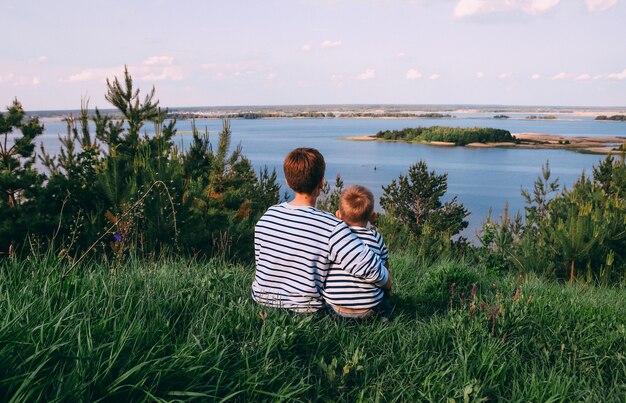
x=481, y=178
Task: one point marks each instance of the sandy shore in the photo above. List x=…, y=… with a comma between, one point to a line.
x=596, y=145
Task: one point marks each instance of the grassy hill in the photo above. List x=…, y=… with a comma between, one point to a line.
x=183, y=330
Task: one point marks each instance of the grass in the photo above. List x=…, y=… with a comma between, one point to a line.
x=183, y=330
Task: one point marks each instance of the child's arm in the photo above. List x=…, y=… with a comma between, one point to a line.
x=387, y=287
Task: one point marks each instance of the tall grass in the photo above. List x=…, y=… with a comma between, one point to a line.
x=185, y=330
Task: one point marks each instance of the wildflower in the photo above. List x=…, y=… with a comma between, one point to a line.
x=473, y=293
x=517, y=294
x=117, y=236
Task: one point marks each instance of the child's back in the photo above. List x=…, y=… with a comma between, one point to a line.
x=345, y=294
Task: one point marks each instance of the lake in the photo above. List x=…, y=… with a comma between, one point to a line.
x=481, y=178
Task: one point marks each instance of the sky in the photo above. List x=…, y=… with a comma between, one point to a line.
x=301, y=52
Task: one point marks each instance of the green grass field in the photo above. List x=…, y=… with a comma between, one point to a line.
x=182, y=330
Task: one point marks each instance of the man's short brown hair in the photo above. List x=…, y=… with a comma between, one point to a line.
x=304, y=169
x=356, y=204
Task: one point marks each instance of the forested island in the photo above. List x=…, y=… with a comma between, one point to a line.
x=617, y=118
x=491, y=137
x=460, y=136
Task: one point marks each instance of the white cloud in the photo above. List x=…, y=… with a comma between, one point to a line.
x=159, y=61
x=598, y=76
x=600, y=5
x=18, y=81
x=507, y=74
x=164, y=74
x=271, y=76
x=535, y=76
x=582, y=77
x=42, y=59
x=413, y=74
x=224, y=70
x=618, y=76
x=336, y=80
x=402, y=56
x=328, y=44
x=480, y=75
x=468, y=8
x=563, y=76
x=142, y=72
x=434, y=77
x=100, y=74
x=368, y=74
x=306, y=48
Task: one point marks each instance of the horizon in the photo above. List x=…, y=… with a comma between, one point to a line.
x=318, y=52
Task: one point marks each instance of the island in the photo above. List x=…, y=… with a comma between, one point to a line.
x=485, y=137
x=616, y=118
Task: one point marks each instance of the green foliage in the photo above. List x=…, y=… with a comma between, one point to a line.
x=415, y=201
x=329, y=198
x=123, y=192
x=457, y=135
x=19, y=181
x=577, y=233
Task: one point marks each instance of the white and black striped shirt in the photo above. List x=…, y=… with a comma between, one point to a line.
x=348, y=291
x=294, y=247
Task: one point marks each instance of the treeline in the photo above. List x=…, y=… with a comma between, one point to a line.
x=116, y=191
x=541, y=117
x=310, y=115
x=619, y=118
x=456, y=135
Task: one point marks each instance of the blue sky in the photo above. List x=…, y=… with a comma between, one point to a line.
x=280, y=52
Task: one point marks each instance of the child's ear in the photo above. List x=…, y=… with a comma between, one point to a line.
x=373, y=217
x=338, y=214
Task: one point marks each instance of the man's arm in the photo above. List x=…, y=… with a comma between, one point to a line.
x=349, y=252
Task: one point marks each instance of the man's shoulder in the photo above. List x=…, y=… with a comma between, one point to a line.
x=299, y=213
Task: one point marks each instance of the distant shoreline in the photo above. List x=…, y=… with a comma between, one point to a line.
x=536, y=141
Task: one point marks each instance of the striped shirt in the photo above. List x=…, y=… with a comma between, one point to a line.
x=294, y=247
x=345, y=290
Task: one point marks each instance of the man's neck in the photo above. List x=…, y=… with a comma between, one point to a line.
x=304, y=200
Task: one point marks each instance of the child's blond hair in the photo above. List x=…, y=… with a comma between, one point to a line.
x=356, y=204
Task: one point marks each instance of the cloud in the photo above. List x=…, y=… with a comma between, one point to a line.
x=535, y=76
x=582, y=77
x=152, y=71
x=434, y=77
x=507, y=74
x=563, y=76
x=413, y=74
x=159, y=61
x=306, y=48
x=18, y=81
x=480, y=75
x=271, y=76
x=618, y=76
x=224, y=70
x=598, y=76
x=469, y=8
x=42, y=59
x=164, y=74
x=98, y=73
x=328, y=44
x=402, y=56
x=600, y=5
x=336, y=80
x=368, y=74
